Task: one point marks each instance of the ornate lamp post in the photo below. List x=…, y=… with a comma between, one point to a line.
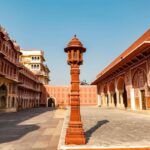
x=75, y=132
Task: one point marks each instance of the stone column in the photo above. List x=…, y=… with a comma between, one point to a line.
x=121, y=100
x=118, y=99
x=7, y=102
x=75, y=132
x=112, y=98
x=132, y=98
x=39, y=102
x=109, y=100
x=99, y=100
x=21, y=103
x=104, y=100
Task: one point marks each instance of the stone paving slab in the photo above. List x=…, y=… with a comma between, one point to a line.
x=105, y=128
x=32, y=129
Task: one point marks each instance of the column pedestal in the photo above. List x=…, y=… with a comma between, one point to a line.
x=75, y=134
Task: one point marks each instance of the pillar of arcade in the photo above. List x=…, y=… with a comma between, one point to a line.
x=75, y=133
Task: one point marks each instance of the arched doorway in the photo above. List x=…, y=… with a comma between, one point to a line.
x=3, y=102
x=122, y=92
x=139, y=82
x=13, y=102
x=115, y=99
x=125, y=97
x=51, y=102
x=3, y=96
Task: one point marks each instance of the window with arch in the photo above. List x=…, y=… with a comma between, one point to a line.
x=32, y=66
x=32, y=58
x=37, y=66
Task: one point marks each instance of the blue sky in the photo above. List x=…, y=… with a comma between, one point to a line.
x=105, y=27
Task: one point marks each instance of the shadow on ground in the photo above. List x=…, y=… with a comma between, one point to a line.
x=89, y=132
x=10, y=129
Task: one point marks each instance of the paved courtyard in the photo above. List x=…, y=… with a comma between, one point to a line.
x=40, y=128
x=31, y=129
x=112, y=128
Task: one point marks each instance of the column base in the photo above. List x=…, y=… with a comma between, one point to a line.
x=75, y=135
x=121, y=106
x=112, y=106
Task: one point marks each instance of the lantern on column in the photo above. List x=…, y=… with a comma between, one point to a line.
x=75, y=133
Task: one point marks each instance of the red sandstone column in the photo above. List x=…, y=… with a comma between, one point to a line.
x=75, y=132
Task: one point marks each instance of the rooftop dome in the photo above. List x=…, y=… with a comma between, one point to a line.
x=75, y=42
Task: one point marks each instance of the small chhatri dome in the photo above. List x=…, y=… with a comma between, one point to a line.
x=75, y=42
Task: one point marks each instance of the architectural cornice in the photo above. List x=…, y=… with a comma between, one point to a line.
x=135, y=50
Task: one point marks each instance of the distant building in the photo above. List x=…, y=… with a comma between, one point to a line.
x=34, y=60
x=20, y=88
x=61, y=95
x=9, y=71
x=125, y=83
x=29, y=90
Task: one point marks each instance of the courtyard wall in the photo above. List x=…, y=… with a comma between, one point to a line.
x=61, y=94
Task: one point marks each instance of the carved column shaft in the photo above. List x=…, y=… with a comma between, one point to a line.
x=75, y=96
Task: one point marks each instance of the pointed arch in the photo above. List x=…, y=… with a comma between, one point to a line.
x=51, y=102
x=111, y=87
x=3, y=96
x=105, y=89
x=121, y=87
x=120, y=84
x=139, y=78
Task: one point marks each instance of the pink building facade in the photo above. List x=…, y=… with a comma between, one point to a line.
x=60, y=95
x=20, y=88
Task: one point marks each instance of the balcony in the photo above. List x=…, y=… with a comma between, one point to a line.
x=2, y=74
x=41, y=73
x=12, y=61
x=24, y=61
x=2, y=54
x=29, y=87
x=11, y=77
x=35, y=61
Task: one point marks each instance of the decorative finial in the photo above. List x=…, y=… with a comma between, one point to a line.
x=75, y=35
